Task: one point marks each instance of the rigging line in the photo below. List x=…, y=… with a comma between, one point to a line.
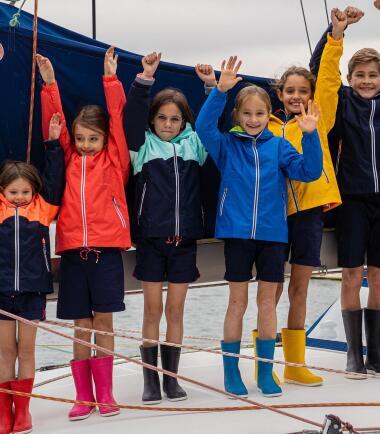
x=307, y=30
x=327, y=12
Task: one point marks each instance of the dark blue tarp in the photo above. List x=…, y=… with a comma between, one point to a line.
x=78, y=64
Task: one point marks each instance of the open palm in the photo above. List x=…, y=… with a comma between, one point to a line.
x=110, y=62
x=308, y=121
x=228, y=78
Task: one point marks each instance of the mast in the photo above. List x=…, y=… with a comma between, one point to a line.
x=93, y=19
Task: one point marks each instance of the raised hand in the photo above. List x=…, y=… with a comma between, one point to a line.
x=339, y=23
x=308, y=122
x=353, y=14
x=150, y=64
x=376, y=3
x=46, y=69
x=55, y=126
x=110, y=62
x=206, y=73
x=228, y=73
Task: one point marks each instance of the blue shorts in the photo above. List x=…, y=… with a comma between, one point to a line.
x=157, y=260
x=95, y=284
x=358, y=231
x=28, y=305
x=241, y=254
x=305, y=237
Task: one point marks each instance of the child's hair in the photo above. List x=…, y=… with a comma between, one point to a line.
x=296, y=70
x=167, y=96
x=365, y=55
x=94, y=118
x=12, y=170
x=245, y=93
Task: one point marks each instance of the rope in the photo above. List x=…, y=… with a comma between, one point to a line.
x=212, y=351
x=33, y=82
x=163, y=371
x=14, y=21
x=327, y=12
x=307, y=30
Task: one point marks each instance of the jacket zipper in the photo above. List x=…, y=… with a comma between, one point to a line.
x=290, y=182
x=225, y=191
x=17, y=251
x=176, y=193
x=45, y=254
x=257, y=185
x=285, y=210
x=326, y=177
x=373, y=146
x=83, y=201
x=141, y=203
x=117, y=209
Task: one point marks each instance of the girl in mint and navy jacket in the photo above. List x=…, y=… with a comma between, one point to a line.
x=252, y=210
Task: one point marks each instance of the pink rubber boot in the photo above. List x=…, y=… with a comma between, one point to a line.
x=81, y=371
x=6, y=412
x=22, y=416
x=101, y=368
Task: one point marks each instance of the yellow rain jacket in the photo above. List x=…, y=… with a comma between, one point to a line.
x=324, y=191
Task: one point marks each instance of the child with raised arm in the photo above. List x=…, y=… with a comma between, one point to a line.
x=357, y=131
x=92, y=228
x=166, y=155
x=28, y=204
x=253, y=209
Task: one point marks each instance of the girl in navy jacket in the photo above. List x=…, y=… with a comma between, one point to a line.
x=252, y=209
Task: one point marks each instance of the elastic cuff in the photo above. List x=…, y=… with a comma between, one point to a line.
x=108, y=78
x=208, y=89
x=333, y=41
x=145, y=81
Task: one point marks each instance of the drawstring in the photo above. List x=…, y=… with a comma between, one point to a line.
x=174, y=240
x=85, y=252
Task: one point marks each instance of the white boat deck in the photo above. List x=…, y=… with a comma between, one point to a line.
x=51, y=417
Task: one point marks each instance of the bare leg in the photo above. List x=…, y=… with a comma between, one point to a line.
x=374, y=287
x=8, y=350
x=80, y=351
x=237, y=305
x=266, y=303
x=279, y=290
x=104, y=322
x=298, y=285
x=152, y=311
x=26, y=350
x=351, y=283
x=175, y=303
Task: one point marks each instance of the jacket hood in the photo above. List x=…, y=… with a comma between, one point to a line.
x=183, y=135
x=263, y=136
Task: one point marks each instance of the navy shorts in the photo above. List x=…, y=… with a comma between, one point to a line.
x=241, y=254
x=28, y=305
x=95, y=284
x=158, y=260
x=358, y=231
x=305, y=237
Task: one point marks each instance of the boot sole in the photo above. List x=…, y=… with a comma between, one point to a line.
x=181, y=398
x=303, y=384
x=74, y=418
x=23, y=432
x=238, y=396
x=152, y=402
x=355, y=377
x=112, y=413
x=369, y=371
x=270, y=395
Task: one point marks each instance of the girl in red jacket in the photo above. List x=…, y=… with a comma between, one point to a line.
x=92, y=227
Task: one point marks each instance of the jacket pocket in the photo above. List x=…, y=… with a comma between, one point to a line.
x=44, y=251
x=118, y=212
x=141, y=203
x=225, y=191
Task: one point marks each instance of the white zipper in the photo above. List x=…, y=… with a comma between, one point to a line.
x=17, y=251
x=285, y=210
x=257, y=186
x=222, y=201
x=141, y=203
x=373, y=146
x=176, y=193
x=290, y=182
x=119, y=212
x=45, y=254
x=83, y=201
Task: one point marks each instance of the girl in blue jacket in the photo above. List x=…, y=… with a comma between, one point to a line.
x=252, y=209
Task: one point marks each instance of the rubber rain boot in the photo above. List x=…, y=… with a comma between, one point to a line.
x=294, y=346
x=353, y=320
x=102, y=369
x=265, y=381
x=372, y=332
x=169, y=361
x=232, y=377
x=255, y=335
x=152, y=389
x=81, y=372
x=22, y=417
x=6, y=410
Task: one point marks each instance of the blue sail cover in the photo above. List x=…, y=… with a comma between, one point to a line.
x=78, y=65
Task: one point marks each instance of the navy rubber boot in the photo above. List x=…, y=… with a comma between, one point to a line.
x=232, y=378
x=265, y=382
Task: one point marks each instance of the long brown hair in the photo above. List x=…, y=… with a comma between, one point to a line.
x=94, y=118
x=296, y=70
x=11, y=170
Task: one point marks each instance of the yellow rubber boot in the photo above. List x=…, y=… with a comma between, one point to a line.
x=254, y=337
x=294, y=345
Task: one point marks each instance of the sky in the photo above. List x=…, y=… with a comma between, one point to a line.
x=268, y=35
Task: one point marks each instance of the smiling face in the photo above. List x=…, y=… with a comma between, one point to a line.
x=88, y=142
x=253, y=115
x=296, y=91
x=19, y=192
x=365, y=79
x=168, y=121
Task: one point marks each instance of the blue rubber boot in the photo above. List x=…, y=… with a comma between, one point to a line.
x=232, y=378
x=265, y=382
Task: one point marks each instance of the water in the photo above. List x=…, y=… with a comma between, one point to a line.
x=204, y=315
